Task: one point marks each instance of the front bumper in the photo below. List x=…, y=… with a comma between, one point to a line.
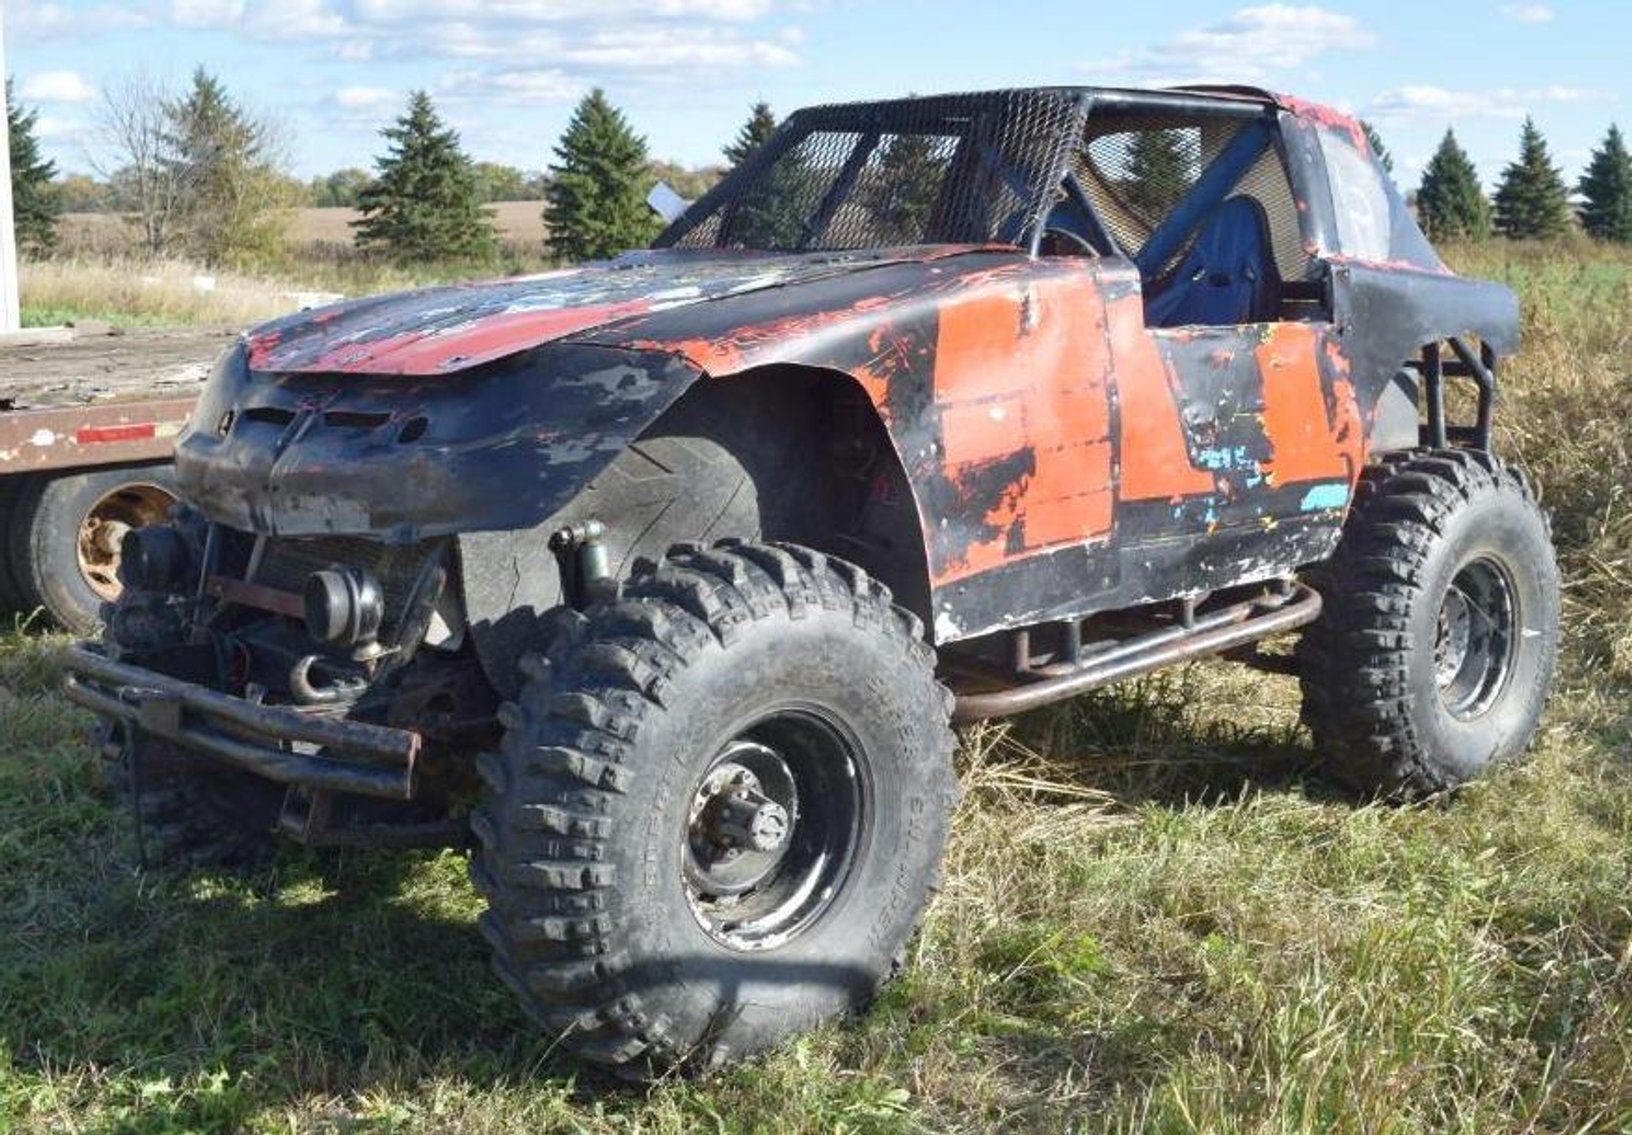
x=280, y=743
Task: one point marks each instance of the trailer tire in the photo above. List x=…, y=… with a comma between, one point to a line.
x=718, y=812
x=1433, y=656
x=65, y=530
x=11, y=595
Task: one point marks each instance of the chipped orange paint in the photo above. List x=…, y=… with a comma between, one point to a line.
x=1024, y=370
x=1306, y=443
x=1155, y=457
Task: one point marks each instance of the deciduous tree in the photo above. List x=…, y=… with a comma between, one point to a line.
x=132, y=123
x=232, y=198
x=338, y=189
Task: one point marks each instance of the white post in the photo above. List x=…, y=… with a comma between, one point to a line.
x=10, y=316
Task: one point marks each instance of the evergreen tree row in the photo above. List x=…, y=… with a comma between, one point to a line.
x=1532, y=199
x=424, y=201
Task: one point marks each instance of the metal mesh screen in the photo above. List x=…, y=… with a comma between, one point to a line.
x=953, y=169
x=1136, y=169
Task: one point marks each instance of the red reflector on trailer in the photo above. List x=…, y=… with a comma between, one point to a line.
x=92, y=435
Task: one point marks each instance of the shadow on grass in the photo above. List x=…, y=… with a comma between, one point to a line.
x=1178, y=738
x=205, y=1001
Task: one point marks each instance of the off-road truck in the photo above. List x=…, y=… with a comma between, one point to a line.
x=665, y=579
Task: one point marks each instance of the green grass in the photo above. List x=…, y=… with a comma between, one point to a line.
x=1157, y=916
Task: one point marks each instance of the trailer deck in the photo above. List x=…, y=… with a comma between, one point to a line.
x=100, y=398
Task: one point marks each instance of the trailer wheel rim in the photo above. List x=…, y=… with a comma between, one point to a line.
x=773, y=829
x=1476, y=638
x=103, y=528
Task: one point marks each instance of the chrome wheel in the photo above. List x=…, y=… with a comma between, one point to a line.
x=1475, y=639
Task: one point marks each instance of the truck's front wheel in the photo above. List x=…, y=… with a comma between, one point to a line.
x=717, y=815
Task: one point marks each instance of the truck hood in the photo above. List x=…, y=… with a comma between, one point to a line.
x=449, y=329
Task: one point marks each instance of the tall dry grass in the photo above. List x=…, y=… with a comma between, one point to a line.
x=1563, y=411
x=1157, y=916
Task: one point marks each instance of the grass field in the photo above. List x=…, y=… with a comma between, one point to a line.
x=1158, y=917
x=110, y=234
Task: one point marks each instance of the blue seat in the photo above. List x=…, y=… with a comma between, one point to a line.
x=1227, y=277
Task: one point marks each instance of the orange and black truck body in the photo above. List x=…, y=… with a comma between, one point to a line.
x=1025, y=355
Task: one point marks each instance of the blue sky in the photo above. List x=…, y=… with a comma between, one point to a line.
x=507, y=72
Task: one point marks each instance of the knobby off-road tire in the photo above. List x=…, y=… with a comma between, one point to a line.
x=64, y=537
x=1434, y=653
x=731, y=696
x=197, y=812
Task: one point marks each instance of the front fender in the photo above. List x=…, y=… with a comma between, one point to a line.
x=402, y=458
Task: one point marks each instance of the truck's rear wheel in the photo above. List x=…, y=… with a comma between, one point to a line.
x=717, y=814
x=1434, y=652
x=66, y=531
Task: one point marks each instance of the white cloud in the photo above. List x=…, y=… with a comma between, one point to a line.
x=1250, y=44
x=370, y=12
x=56, y=86
x=206, y=13
x=578, y=42
x=1438, y=104
x=31, y=21
x=527, y=86
x=1527, y=13
x=62, y=131
x=366, y=98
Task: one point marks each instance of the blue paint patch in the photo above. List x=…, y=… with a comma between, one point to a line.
x=1325, y=496
x=1220, y=459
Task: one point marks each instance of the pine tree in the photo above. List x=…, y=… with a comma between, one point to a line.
x=1531, y=200
x=1375, y=141
x=229, y=187
x=33, y=198
x=902, y=188
x=760, y=126
x=596, y=202
x=423, y=204
x=1607, y=187
x=1450, y=202
x=1161, y=168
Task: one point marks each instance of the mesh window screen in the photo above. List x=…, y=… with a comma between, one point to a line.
x=955, y=169
x=1136, y=169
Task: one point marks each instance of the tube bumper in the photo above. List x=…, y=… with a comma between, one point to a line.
x=371, y=760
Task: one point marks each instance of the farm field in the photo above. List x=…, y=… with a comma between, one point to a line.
x=519, y=222
x=1157, y=916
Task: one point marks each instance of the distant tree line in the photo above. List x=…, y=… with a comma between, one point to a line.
x=198, y=174
x=1532, y=199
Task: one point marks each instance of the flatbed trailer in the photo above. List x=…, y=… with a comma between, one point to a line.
x=88, y=421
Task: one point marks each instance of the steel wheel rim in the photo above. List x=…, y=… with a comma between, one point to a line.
x=103, y=528
x=748, y=889
x=1475, y=638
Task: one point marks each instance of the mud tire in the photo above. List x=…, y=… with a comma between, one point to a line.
x=584, y=836
x=1391, y=713
x=197, y=812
